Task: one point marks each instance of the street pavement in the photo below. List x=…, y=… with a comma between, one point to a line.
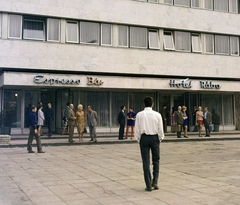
x=191, y=173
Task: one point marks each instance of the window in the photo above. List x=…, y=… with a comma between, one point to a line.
x=166, y=1
x=222, y=45
x=182, y=41
x=153, y=1
x=234, y=46
x=138, y=37
x=123, y=36
x=233, y=6
x=34, y=28
x=153, y=39
x=182, y=2
x=53, y=30
x=221, y=5
x=15, y=26
x=196, y=3
x=89, y=33
x=72, y=32
x=196, y=43
x=168, y=40
x=208, y=4
x=209, y=43
x=106, y=34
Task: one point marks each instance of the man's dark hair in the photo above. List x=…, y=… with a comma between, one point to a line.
x=33, y=107
x=68, y=103
x=122, y=107
x=148, y=101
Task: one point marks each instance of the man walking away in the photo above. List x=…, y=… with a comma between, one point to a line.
x=149, y=133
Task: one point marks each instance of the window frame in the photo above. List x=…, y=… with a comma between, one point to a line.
x=200, y=4
x=34, y=20
x=77, y=30
x=199, y=41
x=99, y=30
x=213, y=42
x=230, y=45
x=189, y=5
x=127, y=35
x=237, y=2
x=146, y=39
x=204, y=5
x=110, y=35
x=189, y=41
x=162, y=2
x=149, y=40
x=48, y=28
x=20, y=29
x=172, y=40
x=216, y=9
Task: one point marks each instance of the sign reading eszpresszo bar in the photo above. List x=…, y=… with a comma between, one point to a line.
x=188, y=84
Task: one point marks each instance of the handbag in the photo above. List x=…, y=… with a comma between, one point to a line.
x=211, y=128
x=85, y=130
x=176, y=128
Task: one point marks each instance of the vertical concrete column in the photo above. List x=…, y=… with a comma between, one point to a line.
x=4, y=25
x=63, y=31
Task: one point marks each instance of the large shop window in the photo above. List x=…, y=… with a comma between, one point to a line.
x=138, y=37
x=234, y=46
x=222, y=45
x=15, y=26
x=182, y=2
x=72, y=32
x=208, y=4
x=182, y=41
x=123, y=36
x=12, y=108
x=168, y=42
x=106, y=34
x=89, y=33
x=209, y=43
x=53, y=30
x=221, y=5
x=228, y=110
x=34, y=28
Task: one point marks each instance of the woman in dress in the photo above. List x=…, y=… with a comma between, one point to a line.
x=40, y=119
x=185, y=122
x=199, y=120
x=80, y=121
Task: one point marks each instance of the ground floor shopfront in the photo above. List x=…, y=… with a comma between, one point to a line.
x=107, y=93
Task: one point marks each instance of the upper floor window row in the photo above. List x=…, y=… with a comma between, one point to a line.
x=40, y=28
x=217, y=5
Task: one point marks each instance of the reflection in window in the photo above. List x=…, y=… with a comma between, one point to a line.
x=89, y=33
x=34, y=28
x=123, y=36
x=196, y=3
x=53, y=31
x=138, y=37
x=153, y=39
x=72, y=32
x=15, y=26
x=234, y=45
x=168, y=40
x=182, y=41
x=222, y=44
x=0, y=25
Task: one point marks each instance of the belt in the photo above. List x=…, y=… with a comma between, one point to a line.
x=149, y=135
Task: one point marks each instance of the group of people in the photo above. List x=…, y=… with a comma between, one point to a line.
x=181, y=119
x=72, y=119
x=36, y=120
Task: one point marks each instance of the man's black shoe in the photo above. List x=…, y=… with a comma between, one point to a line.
x=148, y=189
x=179, y=137
x=41, y=151
x=31, y=151
x=155, y=186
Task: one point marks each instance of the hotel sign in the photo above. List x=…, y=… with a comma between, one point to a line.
x=188, y=84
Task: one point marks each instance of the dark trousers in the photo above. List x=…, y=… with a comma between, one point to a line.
x=121, y=132
x=165, y=126
x=49, y=124
x=30, y=140
x=206, y=125
x=71, y=131
x=92, y=131
x=147, y=143
x=179, y=132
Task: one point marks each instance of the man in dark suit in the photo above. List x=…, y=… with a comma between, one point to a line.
x=121, y=121
x=207, y=121
x=71, y=123
x=49, y=119
x=92, y=118
x=164, y=117
x=178, y=116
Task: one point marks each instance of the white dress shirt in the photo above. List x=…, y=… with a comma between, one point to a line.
x=148, y=122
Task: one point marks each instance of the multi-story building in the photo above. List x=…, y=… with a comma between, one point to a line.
x=108, y=53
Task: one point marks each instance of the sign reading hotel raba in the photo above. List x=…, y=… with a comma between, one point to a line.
x=185, y=83
x=40, y=79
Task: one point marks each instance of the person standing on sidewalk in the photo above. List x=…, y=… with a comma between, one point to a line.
x=121, y=121
x=131, y=116
x=149, y=133
x=49, y=119
x=33, y=132
x=71, y=123
x=92, y=118
x=178, y=115
x=164, y=117
x=199, y=119
x=207, y=121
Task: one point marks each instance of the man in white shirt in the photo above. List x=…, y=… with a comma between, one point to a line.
x=149, y=133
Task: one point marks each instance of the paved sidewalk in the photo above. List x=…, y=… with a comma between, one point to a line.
x=203, y=173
